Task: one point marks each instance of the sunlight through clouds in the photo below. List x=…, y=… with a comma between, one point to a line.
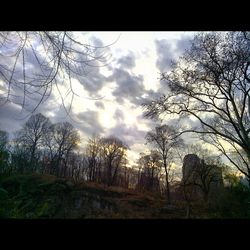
x=130, y=77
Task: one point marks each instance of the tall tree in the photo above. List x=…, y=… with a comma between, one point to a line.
x=114, y=155
x=93, y=153
x=210, y=84
x=162, y=140
x=31, y=136
x=149, y=176
x=61, y=140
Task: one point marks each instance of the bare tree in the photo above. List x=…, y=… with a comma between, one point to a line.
x=93, y=154
x=205, y=177
x=4, y=137
x=4, y=152
x=149, y=176
x=211, y=84
x=113, y=152
x=31, y=136
x=61, y=140
x=19, y=158
x=162, y=140
x=37, y=62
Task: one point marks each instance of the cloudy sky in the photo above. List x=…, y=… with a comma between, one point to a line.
x=109, y=97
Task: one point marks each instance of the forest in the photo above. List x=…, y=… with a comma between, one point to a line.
x=49, y=170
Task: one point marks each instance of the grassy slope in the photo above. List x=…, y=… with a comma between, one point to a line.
x=45, y=196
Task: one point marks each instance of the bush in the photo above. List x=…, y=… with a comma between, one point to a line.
x=233, y=202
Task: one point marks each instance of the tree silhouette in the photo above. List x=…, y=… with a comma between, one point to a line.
x=31, y=136
x=162, y=140
x=211, y=84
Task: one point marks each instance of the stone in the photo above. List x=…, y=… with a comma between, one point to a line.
x=192, y=170
x=190, y=163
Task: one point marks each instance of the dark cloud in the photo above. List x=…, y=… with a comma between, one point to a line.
x=128, y=61
x=129, y=134
x=10, y=117
x=90, y=76
x=166, y=51
x=97, y=42
x=183, y=44
x=34, y=74
x=99, y=104
x=91, y=124
x=165, y=54
x=93, y=80
x=118, y=115
x=129, y=86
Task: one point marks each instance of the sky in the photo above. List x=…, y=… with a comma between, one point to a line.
x=110, y=97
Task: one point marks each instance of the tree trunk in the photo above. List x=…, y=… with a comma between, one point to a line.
x=168, y=193
x=205, y=196
x=32, y=156
x=167, y=183
x=109, y=173
x=188, y=210
x=114, y=176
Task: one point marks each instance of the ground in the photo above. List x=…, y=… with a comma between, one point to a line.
x=46, y=196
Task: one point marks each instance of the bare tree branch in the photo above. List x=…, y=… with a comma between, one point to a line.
x=211, y=83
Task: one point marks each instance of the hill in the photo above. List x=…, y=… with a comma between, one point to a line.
x=46, y=196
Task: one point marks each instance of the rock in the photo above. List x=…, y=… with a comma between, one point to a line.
x=194, y=170
x=70, y=184
x=3, y=193
x=190, y=163
x=168, y=209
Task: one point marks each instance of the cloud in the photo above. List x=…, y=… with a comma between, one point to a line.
x=168, y=50
x=123, y=83
x=11, y=120
x=35, y=73
x=129, y=86
x=90, y=75
x=128, y=61
x=91, y=124
x=130, y=134
x=150, y=95
x=165, y=54
x=118, y=115
x=99, y=104
x=97, y=42
x=91, y=79
x=183, y=44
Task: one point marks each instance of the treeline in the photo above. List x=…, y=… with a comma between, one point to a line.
x=43, y=147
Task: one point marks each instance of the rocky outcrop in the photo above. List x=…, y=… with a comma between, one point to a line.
x=206, y=179
x=191, y=163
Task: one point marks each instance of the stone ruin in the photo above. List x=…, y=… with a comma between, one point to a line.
x=192, y=173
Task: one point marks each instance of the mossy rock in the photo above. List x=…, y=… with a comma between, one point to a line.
x=47, y=209
x=3, y=194
x=139, y=203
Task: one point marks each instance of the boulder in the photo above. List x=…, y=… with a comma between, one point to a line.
x=194, y=170
x=190, y=163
